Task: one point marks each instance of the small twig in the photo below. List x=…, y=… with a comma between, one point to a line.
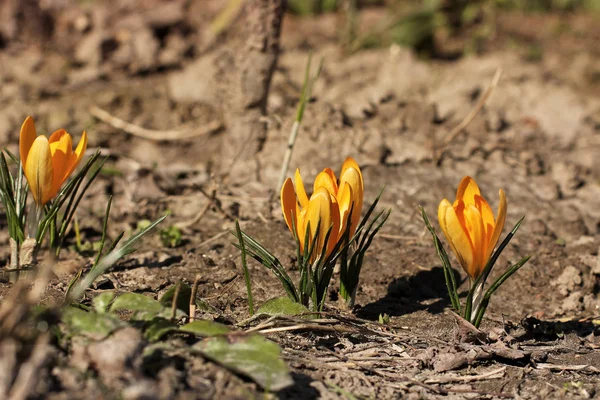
x=555, y=367
x=397, y=237
x=225, y=17
x=213, y=238
x=174, y=302
x=314, y=327
x=467, y=120
x=198, y=217
x=152, y=134
x=193, y=298
x=469, y=378
x=225, y=289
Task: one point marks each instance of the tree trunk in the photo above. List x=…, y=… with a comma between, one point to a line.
x=247, y=65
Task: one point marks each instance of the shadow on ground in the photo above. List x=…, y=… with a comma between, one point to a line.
x=301, y=389
x=413, y=293
x=547, y=331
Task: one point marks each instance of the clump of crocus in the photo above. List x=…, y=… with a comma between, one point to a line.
x=472, y=232
x=47, y=168
x=329, y=205
x=44, y=168
x=327, y=227
x=48, y=162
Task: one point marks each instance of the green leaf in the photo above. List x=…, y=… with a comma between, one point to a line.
x=252, y=356
x=447, y=267
x=205, y=328
x=204, y=306
x=282, y=306
x=90, y=324
x=183, y=297
x=136, y=302
x=101, y=302
x=171, y=236
x=159, y=327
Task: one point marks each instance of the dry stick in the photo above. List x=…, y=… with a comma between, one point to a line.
x=561, y=368
x=225, y=17
x=174, y=301
x=437, y=152
x=152, y=134
x=469, y=378
x=314, y=327
x=198, y=217
x=218, y=235
x=193, y=298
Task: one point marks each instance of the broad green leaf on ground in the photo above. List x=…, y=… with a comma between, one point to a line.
x=90, y=324
x=136, y=302
x=102, y=301
x=144, y=307
x=282, y=306
x=157, y=328
x=250, y=355
x=204, y=306
x=205, y=328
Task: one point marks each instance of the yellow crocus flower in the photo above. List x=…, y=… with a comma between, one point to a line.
x=320, y=210
x=349, y=191
x=300, y=209
x=470, y=226
x=48, y=162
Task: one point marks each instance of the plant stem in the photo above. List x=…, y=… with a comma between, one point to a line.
x=245, y=268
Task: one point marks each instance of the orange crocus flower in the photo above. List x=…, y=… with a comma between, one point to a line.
x=470, y=226
x=48, y=162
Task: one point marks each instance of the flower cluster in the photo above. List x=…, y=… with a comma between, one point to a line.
x=328, y=229
x=330, y=205
x=44, y=169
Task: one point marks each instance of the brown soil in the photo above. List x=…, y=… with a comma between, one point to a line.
x=538, y=137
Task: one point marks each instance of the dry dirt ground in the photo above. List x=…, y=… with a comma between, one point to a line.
x=538, y=137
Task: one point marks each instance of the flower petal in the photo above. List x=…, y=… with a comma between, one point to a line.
x=500, y=220
x=351, y=163
x=326, y=179
x=301, y=228
x=61, y=148
x=352, y=176
x=344, y=200
x=78, y=154
x=442, y=209
x=335, y=225
x=289, y=205
x=458, y=238
x=302, y=197
x=319, y=215
x=38, y=170
x=488, y=221
x=26, y=138
x=476, y=232
x=467, y=189
x=81, y=148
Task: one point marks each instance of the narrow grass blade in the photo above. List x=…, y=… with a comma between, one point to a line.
x=104, y=229
x=488, y=295
x=480, y=281
x=245, y=268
